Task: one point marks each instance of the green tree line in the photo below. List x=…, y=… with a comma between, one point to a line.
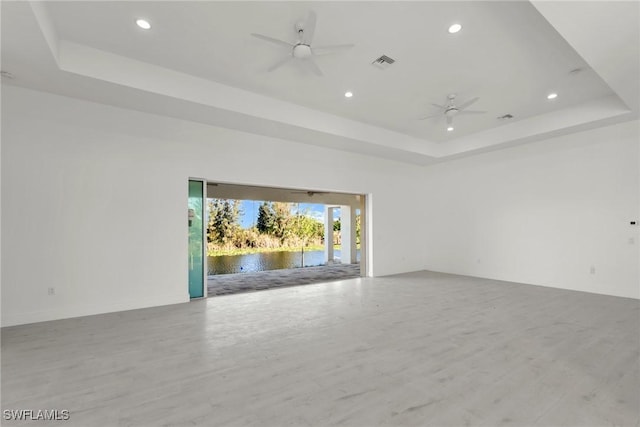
x=277, y=227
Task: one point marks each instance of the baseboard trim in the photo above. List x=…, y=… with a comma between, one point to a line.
x=68, y=312
x=543, y=285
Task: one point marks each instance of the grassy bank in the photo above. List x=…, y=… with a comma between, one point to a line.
x=245, y=251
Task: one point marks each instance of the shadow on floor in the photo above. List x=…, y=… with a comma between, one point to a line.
x=225, y=284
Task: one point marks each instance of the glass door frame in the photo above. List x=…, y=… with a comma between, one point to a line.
x=205, y=221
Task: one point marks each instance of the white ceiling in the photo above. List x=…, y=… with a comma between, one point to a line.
x=199, y=62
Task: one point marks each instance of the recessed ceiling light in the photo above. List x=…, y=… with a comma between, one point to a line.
x=552, y=96
x=348, y=94
x=143, y=23
x=450, y=128
x=455, y=28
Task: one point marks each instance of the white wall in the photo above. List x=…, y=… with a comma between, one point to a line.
x=543, y=213
x=94, y=201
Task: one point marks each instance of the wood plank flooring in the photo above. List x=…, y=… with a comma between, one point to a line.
x=419, y=349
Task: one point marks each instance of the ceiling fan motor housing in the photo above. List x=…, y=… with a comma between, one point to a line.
x=451, y=111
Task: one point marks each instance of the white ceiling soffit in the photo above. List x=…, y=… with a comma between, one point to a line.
x=213, y=72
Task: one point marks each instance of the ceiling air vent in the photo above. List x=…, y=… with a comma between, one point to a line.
x=383, y=62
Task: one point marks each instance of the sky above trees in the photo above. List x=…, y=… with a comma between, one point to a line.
x=249, y=211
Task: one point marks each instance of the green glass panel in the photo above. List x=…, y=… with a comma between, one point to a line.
x=196, y=239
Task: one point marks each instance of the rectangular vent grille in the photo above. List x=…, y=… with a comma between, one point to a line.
x=383, y=62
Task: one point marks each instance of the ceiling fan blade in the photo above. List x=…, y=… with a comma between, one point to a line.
x=280, y=63
x=471, y=112
x=466, y=104
x=430, y=117
x=314, y=67
x=272, y=40
x=442, y=107
x=449, y=120
x=325, y=50
x=309, y=28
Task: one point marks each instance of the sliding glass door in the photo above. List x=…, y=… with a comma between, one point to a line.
x=196, y=218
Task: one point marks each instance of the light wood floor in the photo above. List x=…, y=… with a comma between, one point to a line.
x=420, y=349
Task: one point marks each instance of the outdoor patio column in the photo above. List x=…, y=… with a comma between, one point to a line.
x=348, y=234
x=328, y=234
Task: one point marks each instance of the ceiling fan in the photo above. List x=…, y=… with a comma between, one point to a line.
x=451, y=110
x=301, y=50
x=309, y=193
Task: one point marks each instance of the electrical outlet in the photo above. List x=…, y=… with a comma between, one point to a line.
x=51, y=291
x=593, y=270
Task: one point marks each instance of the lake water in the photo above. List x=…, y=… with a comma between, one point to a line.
x=226, y=264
